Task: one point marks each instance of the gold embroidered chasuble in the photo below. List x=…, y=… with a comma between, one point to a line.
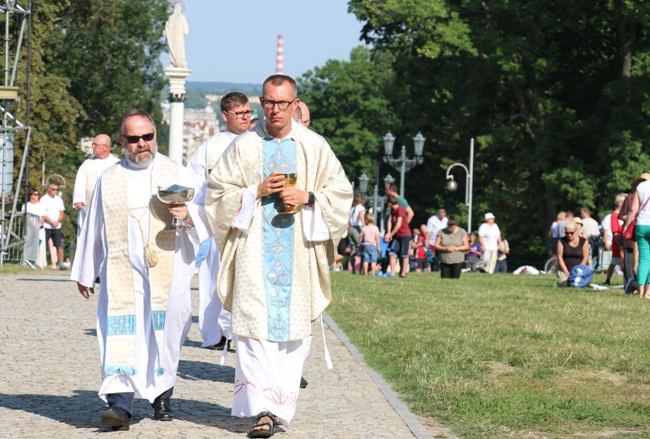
x=241, y=282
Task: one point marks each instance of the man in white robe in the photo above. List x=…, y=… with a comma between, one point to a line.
x=277, y=237
x=88, y=173
x=144, y=306
x=214, y=321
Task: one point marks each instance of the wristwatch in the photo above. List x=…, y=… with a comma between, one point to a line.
x=311, y=200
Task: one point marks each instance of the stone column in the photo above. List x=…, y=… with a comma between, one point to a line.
x=177, y=77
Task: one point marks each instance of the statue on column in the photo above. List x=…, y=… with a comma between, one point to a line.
x=176, y=28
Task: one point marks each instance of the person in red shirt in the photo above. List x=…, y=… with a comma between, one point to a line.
x=399, y=236
x=418, y=244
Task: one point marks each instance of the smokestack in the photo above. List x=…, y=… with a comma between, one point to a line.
x=279, y=62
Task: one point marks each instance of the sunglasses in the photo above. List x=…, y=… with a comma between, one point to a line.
x=136, y=139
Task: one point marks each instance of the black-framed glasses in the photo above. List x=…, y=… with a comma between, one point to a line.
x=569, y=233
x=35, y=193
x=241, y=114
x=282, y=105
x=135, y=139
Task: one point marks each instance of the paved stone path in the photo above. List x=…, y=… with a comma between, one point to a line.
x=50, y=375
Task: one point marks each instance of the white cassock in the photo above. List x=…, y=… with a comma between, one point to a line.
x=214, y=321
x=85, y=181
x=90, y=261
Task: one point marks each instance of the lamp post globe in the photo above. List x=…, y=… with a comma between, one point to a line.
x=418, y=142
x=452, y=185
x=363, y=183
x=389, y=141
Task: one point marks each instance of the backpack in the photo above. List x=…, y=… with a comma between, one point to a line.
x=580, y=276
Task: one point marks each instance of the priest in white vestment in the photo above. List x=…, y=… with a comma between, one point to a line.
x=214, y=321
x=277, y=238
x=88, y=173
x=145, y=267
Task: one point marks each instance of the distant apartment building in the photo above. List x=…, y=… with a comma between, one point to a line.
x=198, y=126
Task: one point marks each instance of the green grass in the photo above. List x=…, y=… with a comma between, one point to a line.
x=505, y=355
x=13, y=268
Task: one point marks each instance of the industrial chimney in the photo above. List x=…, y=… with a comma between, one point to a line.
x=279, y=62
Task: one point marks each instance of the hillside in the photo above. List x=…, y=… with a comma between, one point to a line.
x=195, y=92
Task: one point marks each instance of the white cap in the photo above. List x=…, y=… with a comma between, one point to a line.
x=488, y=216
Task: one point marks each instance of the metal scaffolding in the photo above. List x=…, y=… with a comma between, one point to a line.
x=17, y=23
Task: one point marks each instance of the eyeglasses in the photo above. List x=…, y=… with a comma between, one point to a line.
x=282, y=105
x=569, y=233
x=240, y=114
x=35, y=193
x=53, y=189
x=136, y=139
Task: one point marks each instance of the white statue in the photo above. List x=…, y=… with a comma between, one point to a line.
x=176, y=28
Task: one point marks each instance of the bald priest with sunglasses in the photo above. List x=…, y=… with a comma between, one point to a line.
x=145, y=266
x=278, y=202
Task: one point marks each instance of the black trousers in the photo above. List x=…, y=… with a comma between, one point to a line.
x=628, y=267
x=450, y=271
x=125, y=400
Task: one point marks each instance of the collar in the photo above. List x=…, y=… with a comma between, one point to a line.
x=291, y=134
x=136, y=166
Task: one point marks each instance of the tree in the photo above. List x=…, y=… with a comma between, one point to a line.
x=92, y=61
x=349, y=106
x=110, y=53
x=549, y=88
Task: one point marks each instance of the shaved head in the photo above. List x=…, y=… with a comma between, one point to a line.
x=305, y=118
x=102, y=146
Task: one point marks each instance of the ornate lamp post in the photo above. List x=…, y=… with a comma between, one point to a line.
x=403, y=163
x=452, y=185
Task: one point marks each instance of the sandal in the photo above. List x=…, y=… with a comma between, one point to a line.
x=264, y=432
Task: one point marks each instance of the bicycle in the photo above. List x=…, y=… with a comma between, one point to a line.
x=550, y=266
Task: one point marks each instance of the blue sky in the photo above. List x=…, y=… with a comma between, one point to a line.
x=235, y=41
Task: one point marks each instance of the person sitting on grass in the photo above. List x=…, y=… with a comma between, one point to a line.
x=572, y=250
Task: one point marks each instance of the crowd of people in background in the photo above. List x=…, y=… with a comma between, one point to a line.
x=440, y=245
x=608, y=246
x=578, y=241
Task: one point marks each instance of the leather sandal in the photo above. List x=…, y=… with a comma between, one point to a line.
x=264, y=433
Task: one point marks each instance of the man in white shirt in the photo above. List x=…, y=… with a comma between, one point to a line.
x=435, y=224
x=490, y=238
x=214, y=321
x=53, y=212
x=88, y=173
x=591, y=232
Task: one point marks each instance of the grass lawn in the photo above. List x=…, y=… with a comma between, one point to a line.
x=505, y=355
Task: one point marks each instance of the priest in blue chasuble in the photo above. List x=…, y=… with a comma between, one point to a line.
x=278, y=202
